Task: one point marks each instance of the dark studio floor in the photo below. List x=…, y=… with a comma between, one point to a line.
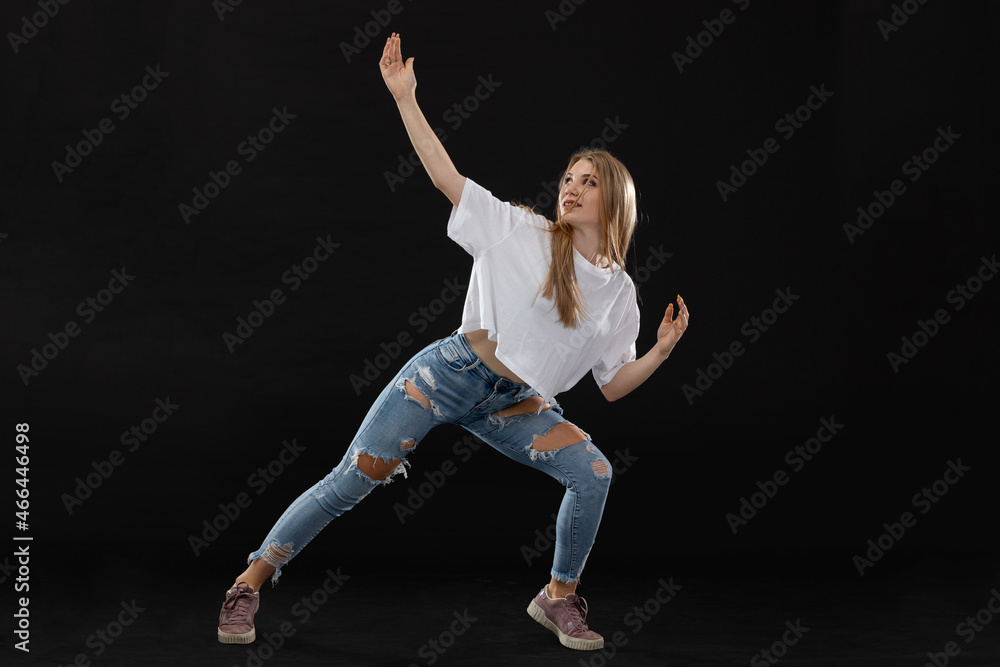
x=402, y=619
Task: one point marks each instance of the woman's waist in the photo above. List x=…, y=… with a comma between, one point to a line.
x=486, y=349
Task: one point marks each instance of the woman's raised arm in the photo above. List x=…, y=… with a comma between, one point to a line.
x=402, y=83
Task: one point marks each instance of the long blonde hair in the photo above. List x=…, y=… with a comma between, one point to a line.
x=618, y=214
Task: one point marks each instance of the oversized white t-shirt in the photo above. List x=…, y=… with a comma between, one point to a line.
x=511, y=252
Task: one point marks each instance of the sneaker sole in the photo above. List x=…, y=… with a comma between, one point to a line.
x=245, y=638
x=538, y=614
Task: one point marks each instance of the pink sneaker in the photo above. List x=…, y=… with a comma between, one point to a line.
x=236, y=617
x=567, y=618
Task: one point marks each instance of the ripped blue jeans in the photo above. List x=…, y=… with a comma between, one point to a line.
x=448, y=384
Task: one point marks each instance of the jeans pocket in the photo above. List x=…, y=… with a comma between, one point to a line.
x=449, y=355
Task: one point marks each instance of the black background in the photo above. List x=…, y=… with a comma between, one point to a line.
x=324, y=175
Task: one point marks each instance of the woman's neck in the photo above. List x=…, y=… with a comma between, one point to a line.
x=588, y=242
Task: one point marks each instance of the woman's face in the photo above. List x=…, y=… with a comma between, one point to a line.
x=580, y=196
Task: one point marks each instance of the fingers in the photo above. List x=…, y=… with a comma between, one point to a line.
x=683, y=315
x=680, y=323
x=386, y=56
x=391, y=52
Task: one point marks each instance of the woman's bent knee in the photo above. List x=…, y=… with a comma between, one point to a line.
x=377, y=468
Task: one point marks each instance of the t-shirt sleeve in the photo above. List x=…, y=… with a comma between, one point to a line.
x=480, y=220
x=620, y=349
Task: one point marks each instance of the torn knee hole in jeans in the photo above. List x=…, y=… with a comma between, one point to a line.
x=277, y=555
x=377, y=468
x=601, y=468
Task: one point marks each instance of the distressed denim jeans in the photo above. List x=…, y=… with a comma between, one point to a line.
x=456, y=388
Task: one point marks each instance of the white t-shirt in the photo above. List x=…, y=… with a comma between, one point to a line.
x=511, y=252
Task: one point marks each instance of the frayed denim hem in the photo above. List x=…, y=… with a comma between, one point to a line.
x=273, y=554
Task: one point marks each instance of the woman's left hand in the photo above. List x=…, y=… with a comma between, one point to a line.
x=671, y=329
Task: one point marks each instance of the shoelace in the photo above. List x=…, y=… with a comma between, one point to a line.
x=578, y=609
x=237, y=605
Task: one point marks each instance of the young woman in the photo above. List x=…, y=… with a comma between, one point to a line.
x=547, y=302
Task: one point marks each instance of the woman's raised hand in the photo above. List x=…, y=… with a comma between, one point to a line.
x=398, y=75
x=671, y=329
